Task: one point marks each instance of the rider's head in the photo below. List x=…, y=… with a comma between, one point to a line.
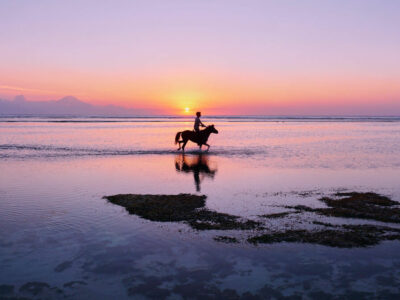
x=198, y=114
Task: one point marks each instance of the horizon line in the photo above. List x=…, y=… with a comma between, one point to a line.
x=177, y=116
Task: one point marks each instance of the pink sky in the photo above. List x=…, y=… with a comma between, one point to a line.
x=221, y=57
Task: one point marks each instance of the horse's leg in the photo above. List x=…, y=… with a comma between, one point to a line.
x=208, y=147
x=185, y=139
x=184, y=144
x=180, y=142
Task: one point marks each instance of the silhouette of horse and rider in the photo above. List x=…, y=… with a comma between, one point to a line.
x=198, y=165
x=200, y=137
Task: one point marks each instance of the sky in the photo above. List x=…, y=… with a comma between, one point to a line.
x=332, y=57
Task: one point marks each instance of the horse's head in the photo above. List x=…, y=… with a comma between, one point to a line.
x=212, y=129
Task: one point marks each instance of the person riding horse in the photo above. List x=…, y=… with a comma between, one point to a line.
x=198, y=123
x=200, y=137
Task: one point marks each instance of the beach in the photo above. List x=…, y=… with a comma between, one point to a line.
x=60, y=236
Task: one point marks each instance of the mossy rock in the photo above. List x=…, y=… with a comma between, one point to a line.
x=162, y=208
x=370, y=206
x=348, y=236
x=182, y=207
x=363, y=206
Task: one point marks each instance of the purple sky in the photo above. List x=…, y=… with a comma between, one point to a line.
x=233, y=56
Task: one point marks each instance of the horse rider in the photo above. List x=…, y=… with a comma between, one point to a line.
x=198, y=123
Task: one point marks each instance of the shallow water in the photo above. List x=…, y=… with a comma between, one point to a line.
x=56, y=228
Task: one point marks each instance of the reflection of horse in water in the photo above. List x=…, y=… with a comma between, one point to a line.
x=196, y=164
x=200, y=138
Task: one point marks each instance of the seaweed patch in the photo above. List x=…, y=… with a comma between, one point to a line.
x=191, y=209
x=370, y=206
x=186, y=208
x=347, y=236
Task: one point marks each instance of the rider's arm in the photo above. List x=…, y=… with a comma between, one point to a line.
x=202, y=125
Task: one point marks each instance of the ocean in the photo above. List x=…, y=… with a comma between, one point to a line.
x=61, y=239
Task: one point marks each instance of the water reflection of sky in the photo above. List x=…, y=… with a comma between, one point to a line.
x=57, y=230
x=332, y=145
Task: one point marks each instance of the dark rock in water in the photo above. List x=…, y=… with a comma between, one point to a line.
x=34, y=288
x=226, y=239
x=333, y=238
x=369, y=206
x=63, y=266
x=162, y=208
x=349, y=236
x=357, y=205
x=6, y=289
x=191, y=209
x=363, y=206
x=353, y=198
x=176, y=208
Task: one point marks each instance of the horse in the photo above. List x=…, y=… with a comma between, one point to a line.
x=199, y=138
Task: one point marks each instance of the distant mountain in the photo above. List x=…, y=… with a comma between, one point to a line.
x=67, y=106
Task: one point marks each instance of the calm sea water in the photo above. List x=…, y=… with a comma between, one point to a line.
x=59, y=234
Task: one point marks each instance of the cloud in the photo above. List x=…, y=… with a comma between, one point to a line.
x=22, y=89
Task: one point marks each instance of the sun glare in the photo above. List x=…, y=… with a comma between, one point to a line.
x=187, y=109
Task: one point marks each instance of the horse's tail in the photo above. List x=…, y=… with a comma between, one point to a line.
x=177, y=137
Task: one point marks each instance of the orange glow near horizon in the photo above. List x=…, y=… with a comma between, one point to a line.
x=211, y=94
